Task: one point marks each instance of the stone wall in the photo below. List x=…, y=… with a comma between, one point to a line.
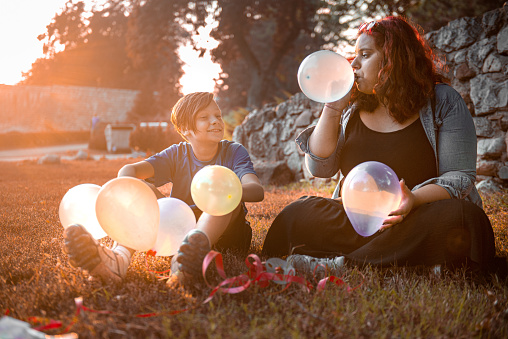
x=476, y=54
x=28, y=109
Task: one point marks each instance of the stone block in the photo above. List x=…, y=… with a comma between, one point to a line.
x=502, y=41
x=274, y=173
x=488, y=168
x=483, y=127
x=489, y=93
x=491, y=148
x=503, y=173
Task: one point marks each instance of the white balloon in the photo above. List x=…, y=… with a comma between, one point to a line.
x=325, y=76
x=78, y=207
x=176, y=220
x=371, y=190
x=127, y=210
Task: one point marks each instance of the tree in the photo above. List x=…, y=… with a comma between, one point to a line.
x=154, y=34
x=131, y=45
x=84, y=52
x=434, y=14
x=262, y=42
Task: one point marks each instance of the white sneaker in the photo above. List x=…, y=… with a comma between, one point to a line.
x=110, y=265
x=315, y=267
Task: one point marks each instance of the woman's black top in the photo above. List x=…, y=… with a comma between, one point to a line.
x=407, y=151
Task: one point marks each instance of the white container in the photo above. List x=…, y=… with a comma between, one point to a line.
x=117, y=137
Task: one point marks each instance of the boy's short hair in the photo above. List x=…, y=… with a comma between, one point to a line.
x=184, y=111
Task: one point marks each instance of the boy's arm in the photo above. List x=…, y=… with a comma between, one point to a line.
x=252, y=189
x=141, y=170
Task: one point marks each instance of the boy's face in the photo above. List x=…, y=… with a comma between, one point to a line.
x=209, y=125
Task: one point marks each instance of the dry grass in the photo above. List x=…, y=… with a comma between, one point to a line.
x=37, y=284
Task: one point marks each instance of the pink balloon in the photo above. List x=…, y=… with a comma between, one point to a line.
x=176, y=220
x=370, y=192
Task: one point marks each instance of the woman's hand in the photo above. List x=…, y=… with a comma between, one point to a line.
x=338, y=106
x=406, y=205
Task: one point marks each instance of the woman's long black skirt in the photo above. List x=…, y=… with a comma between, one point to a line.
x=443, y=232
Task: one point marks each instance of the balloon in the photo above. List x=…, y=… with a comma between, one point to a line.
x=325, y=76
x=78, y=207
x=369, y=193
x=127, y=210
x=216, y=190
x=176, y=220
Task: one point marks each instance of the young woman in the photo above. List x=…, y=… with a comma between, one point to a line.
x=399, y=113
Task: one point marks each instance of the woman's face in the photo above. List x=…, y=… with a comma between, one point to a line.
x=366, y=64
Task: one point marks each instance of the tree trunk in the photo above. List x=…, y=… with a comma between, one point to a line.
x=257, y=89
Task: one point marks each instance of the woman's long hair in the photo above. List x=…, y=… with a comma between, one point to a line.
x=408, y=72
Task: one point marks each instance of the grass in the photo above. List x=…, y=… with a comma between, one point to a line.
x=38, y=286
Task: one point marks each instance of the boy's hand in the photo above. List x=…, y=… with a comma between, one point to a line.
x=252, y=191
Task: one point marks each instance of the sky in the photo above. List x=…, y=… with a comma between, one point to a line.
x=21, y=21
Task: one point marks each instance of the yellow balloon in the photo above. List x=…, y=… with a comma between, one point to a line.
x=216, y=190
x=128, y=211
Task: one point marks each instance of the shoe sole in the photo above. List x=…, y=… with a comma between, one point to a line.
x=84, y=253
x=191, y=254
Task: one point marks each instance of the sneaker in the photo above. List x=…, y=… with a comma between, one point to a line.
x=189, y=261
x=110, y=265
x=316, y=268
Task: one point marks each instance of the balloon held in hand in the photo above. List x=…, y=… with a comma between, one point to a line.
x=78, y=207
x=127, y=210
x=325, y=76
x=370, y=192
x=216, y=190
x=176, y=220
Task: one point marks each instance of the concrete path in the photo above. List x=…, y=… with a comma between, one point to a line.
x=65, y=151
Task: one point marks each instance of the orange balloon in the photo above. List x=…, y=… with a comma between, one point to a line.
x=127, y=210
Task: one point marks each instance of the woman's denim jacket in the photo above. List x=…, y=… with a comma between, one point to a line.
x=456, y=153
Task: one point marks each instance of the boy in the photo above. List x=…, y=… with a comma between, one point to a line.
x=198, y=119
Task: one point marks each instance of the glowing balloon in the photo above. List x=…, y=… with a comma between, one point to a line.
x=325, y=76
x=127, y=210
x=78, y=207
x=216, y=190
x=176, y=220
x=370, y=192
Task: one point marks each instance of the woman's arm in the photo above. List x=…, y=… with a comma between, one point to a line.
x=323, y=139
x=252, y=189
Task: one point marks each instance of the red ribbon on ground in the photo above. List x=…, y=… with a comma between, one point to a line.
x=152, y=253
x=256, y=275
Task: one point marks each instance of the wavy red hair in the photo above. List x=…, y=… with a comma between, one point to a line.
x=409, y=70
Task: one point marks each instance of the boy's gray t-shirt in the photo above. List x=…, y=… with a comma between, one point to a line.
x=178, y=164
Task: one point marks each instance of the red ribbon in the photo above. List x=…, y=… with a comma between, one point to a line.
x=256, y=275
x=153, y=253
